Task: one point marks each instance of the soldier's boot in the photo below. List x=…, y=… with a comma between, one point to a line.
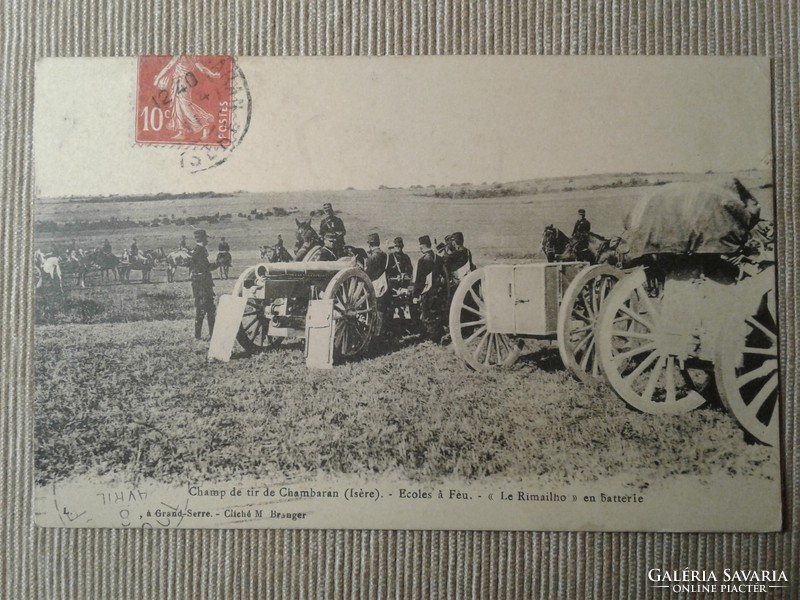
x=212, y=319
x=198, y=325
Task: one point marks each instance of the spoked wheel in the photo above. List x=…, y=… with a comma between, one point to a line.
x=253, y=334
x=472, y=342
x=355, y=311
x=577, y=320
x=642, y=356
x=746, y=368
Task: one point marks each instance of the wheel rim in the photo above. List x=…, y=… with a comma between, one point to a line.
x=254, y=327
x=577, y=320
x=313, y=254
x=472, y=342
x=638, y=364
x=354, y=311
x=746, y=368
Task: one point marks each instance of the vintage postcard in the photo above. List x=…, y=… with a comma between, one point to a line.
x=493, y=293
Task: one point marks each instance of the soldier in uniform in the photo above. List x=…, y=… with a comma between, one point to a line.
x=375, y=266
x=134, y=248
x=202, y=285
x=430, y=288
x=580, y=236
x=107, y=247
x=458, y=259
x=183, y=245
x=332, y=224
x=399, y=276
x=329, y=251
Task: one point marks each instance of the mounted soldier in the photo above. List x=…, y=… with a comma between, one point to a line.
x=580, y=236
x=332, y=224
x=202, y=285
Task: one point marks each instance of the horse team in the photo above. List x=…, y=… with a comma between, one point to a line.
x=53, y=267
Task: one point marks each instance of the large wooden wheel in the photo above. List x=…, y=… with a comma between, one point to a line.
x=253, y=334
x=355, y=311
x=746, y=368
x=577, y=320
x=640, y=354
x=472, y=342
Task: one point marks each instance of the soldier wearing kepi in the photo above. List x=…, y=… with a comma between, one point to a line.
x=399, y=275
x=580, y=235
x=332, y=224
x=202, y=285
x=430, y=287
x=329, y=251
x=375, y=266
x=459, y=259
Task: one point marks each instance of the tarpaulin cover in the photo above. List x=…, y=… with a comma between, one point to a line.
x=691, y=218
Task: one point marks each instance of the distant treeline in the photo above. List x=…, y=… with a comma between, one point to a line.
x=498, y=190
x=114, y=223
x=146, y=197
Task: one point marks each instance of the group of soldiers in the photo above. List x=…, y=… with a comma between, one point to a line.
x=426, y=292
x=422, y=294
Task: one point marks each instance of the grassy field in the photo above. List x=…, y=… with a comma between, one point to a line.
x=142, y=397
x=121, y=384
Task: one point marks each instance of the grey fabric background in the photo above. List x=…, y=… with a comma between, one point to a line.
x=97, y=564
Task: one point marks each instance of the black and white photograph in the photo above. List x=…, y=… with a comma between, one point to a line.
x=484, y=293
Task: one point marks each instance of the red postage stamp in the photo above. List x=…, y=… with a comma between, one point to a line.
x=184, y=100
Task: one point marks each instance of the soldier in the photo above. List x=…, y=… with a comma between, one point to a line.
x=107, y=247
x=223, y=246
x=332, y=224
x=459, y=259
x=329, y=252
x=430, y=288
x=399, y=275
x=134, y=249
x=375, y=266
x=183, y=245
x=580, y=235
x=202, y=285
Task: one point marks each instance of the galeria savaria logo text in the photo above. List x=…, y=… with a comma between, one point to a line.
x=725, y=581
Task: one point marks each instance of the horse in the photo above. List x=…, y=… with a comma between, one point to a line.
x=50, y=266
x=554, y=242
x=102, y=261
x=159, y=255
x=142, y=262
x=73, y=262
x=558, y=247
x=276, y=253
x=223, y=261
x=308, y=240
x=177, y=258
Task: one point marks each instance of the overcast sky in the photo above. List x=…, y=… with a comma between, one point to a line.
x=332, y=123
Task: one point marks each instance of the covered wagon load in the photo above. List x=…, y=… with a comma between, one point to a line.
x=691, y=218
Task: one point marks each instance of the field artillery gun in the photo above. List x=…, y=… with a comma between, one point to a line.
x=277, y=301
x=690, y=311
